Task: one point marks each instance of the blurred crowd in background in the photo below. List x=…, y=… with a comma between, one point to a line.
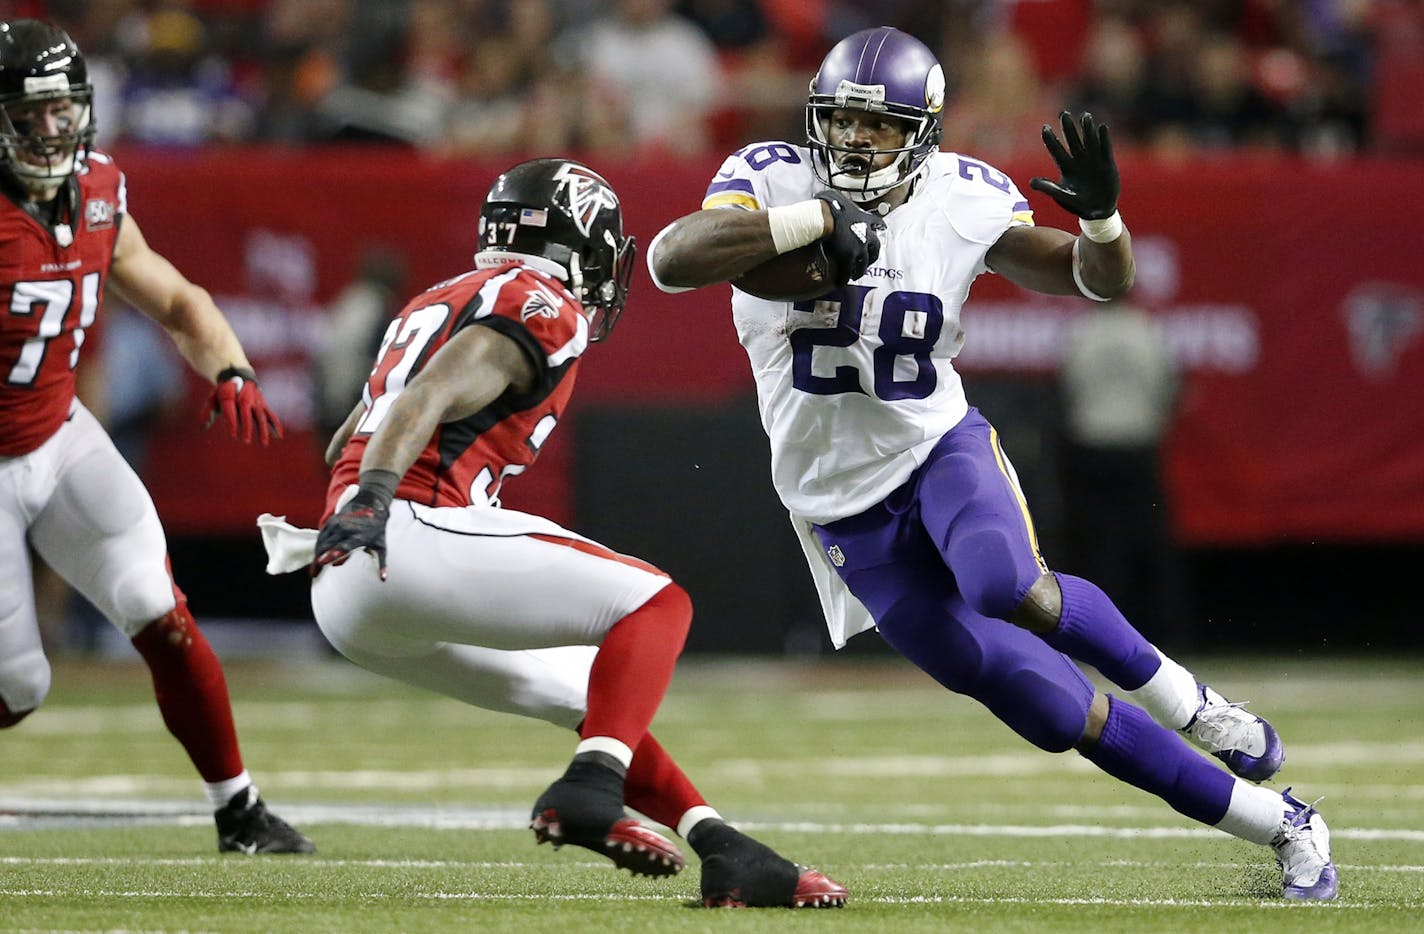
x=500, y=79
x=1325, y=78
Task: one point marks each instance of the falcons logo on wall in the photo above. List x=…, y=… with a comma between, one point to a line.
x=587, y=194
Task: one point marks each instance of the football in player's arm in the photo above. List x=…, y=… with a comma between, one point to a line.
x=888, y=472
x=65, y=234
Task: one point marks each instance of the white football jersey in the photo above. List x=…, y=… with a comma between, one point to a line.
x=855, y=388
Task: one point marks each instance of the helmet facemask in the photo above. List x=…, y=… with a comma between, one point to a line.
x=46, y=133
x=605, y=292
x=838, y=166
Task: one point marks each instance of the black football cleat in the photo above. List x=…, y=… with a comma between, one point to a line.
x=246, y=826
x=585, y=808
x=739, y=872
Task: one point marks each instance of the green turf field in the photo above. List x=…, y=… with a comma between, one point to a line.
x=935, y=816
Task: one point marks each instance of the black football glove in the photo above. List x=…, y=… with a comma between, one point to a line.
x=854, y=243
x=361, y=523
x=1089, y=186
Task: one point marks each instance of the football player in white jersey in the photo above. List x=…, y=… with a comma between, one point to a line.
x=909, y=512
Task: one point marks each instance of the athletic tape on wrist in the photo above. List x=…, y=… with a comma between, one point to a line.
x=380, y=483
x=1102, y=231
x=796, y=225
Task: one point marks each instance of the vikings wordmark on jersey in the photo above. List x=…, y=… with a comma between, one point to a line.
x=883, y=345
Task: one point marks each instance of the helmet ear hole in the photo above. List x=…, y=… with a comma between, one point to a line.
x=564, y=212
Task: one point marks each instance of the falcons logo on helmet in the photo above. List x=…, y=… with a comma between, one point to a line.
x=587, y=194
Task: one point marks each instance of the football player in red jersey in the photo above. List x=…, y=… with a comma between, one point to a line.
x=65, y=236
x=502, y=609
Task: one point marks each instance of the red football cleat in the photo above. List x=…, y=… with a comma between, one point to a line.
x=815, y=889
x=740, y=872
x=583, y=809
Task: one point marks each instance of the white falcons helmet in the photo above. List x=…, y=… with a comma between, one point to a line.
x=885, y=71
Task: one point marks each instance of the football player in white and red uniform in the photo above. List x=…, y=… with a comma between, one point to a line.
x=502, y=609
x=66, y=237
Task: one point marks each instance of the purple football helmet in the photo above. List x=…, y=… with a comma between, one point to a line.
x=882, y=70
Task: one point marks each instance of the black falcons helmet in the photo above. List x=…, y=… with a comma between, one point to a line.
x=39, y=63
x=563, y=211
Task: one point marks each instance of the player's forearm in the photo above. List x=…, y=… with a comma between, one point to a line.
x=711, y=246
x=202, y=335
x=403, y=433
x=1108, y=269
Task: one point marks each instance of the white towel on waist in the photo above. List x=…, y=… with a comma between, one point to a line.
x=288, y=547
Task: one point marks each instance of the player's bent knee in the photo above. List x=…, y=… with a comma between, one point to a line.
x=173, y=631
x=1097, y=719
x=986, y=569
x=24, y=685
x=673, y=605
x=1041, y=608
x=138, y=601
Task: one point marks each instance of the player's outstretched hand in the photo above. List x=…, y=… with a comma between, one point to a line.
x=1090, y=185
x=854, y=243
x=361, y=523
x=238, y=401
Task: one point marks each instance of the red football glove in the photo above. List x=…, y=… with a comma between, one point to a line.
x=239, y=400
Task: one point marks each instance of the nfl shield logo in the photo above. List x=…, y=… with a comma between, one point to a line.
x=836, y=555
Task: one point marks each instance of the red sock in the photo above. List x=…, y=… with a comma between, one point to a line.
x=634, y=665
x=191, y=691
x=657, y=787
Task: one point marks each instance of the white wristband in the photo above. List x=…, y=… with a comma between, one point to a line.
x=1102, y=231
x=1078, y=276
x=796, y=225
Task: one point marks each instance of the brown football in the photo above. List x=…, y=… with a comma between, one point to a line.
x=803, y=273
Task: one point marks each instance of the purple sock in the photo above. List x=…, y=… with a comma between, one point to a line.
x=1136, y=750
x=1092, y=630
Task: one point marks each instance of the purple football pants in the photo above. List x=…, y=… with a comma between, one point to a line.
x=942, y=564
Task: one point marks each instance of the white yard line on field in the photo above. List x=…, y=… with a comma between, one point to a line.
x=32, y=812
x=327, y=863
x=606, y=897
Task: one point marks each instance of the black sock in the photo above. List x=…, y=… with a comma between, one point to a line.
x=593, y=766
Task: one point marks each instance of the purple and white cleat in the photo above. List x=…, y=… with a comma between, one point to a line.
x=1302, y=848
x=1248, y=745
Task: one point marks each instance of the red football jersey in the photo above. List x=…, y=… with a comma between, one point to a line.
x=467, y=460
x=51, y=290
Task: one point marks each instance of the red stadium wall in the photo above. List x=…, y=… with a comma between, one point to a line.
x=1294, y=294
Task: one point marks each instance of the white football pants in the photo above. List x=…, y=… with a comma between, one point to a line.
x=500, y=609
x=90, y=519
